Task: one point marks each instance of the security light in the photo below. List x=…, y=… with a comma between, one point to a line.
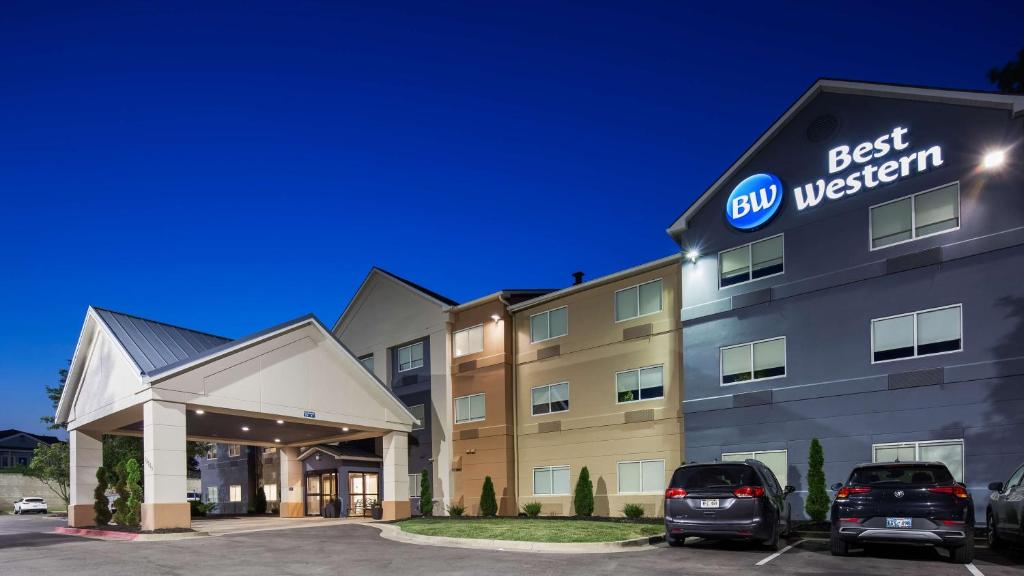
x=993, y=159
x=280, y=421
x=495, y=317
x=692, y=255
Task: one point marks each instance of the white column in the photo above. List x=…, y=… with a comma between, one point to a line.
x=396, y=476
x=164, y=469
x=291, y=483
x=86, y=452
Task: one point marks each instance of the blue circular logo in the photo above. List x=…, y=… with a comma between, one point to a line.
x=754, y=201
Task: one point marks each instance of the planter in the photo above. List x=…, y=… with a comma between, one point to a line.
x=377, y=512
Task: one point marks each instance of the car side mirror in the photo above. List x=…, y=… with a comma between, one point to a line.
x=788, y=490
x=995, y=486
x=837, y=486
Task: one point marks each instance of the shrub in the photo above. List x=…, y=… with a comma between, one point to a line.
x=488, y=501
x=426, y=494
x=101, y=507
x=120, y=480
x=633, y=511
x=201, y=508
x=532, y=509
x=817, y=503
x=259, y=504
x=583, y=502
x=456, y=510
x=134, y=488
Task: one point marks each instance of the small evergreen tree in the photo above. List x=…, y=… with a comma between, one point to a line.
x=259, y=505
x=133, y=483
x=426, y=495
x=817, y=499
x=101, y=507
x=488, y=501
x=583, y=501
x=120, y=481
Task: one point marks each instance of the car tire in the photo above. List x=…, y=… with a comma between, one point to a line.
x=994, y=541
x=838, y=546
x=963, y=554
x=789, y=525
x=772, y=543
x=675, y=542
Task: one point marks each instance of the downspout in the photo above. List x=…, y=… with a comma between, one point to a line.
x=515, y=400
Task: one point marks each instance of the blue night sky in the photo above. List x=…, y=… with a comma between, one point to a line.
x=228, y=166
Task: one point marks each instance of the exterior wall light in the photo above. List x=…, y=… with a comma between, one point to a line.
x=280, y=421
x=993, y=159
x=692, y=255
x=200, y=412
x=495, y=317
x=344, y=429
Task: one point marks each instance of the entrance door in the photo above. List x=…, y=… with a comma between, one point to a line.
x=321, y=488
x=362, y=491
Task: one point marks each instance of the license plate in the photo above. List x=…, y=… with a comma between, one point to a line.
x=898, y=522
x=711, y=503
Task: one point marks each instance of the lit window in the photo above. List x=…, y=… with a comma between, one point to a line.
x=550, y=324
x=470, y=408
x=916, y=334
x=642, y=477
x=418, y=412
x=551, y=481
x=410, y=357
x=949, y=452
x=754, y=361
x=923, y=214
x=270, y=491
x=776, y=460
x=469, y=341
x=550, y=398
x=367, y=362
x=211, y=452
x=640, y=384
x=235, y=493
x=234, y=450
x=211, y=494
x=637, y=301
x=751, y=261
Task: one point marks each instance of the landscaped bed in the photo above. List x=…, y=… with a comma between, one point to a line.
x=532, y=529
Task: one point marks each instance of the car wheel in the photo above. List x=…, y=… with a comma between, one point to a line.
x=675, y=542
x=994, y=542
x=837, y=546
x=772, y=543
x=789, y=525
x=963, y=554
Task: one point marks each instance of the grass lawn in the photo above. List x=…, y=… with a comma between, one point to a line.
x=530, y=530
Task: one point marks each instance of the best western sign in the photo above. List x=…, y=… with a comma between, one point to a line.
x=756, y=200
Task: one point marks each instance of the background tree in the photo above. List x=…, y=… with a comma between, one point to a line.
x=488, y=501
x=1009, y=78
x=101, y=506
x=817, y=503
x=51, y=464
x=426, y=495
x=53, y=393
x=583, y=501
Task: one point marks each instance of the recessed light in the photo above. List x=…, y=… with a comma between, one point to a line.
x=200, y=412
x=277, y=439
x=280, y=421
x=344, y=429
x=245, y=428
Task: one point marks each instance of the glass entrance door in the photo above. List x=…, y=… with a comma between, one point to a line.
x=321, y=488
x=362, y=491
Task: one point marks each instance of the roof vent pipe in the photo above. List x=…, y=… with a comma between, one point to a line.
x=577, y=278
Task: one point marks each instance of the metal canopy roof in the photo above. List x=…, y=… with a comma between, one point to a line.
x=155, y=345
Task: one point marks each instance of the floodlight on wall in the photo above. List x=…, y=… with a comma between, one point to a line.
x=993, y=159
x=495, y=317
x=692, y=255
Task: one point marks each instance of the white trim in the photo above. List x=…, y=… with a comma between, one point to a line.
x=481, y=327
x=550, y=469
x=917, y=450
x=915, y=313
x=750, y=261
x=455, y=408
x=913, y=217
x=398, y=353
x=721, y=361
x=548, y=312
x=618, y=476
x=615, y=301
x=532, y=405
x=615, y=384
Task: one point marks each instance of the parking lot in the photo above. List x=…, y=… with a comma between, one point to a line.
x=28, y=546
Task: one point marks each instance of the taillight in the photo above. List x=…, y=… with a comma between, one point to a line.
x=846, y=491
x=953, y=522
x=675, y=493
x=749, y=492
x=956, y=490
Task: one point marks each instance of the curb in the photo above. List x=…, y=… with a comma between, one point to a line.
x=118, y=536
x=396, y=534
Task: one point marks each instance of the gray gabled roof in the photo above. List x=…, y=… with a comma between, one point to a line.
x=154, y=345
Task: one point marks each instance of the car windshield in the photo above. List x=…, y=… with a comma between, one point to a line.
x=897, y=475
x=712, y=476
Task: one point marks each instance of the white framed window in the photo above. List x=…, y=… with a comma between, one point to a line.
x=469, y=341
x=550, y=398
x=776, y=460
x=234, y=450
x=367, y=362
x=551, y=481
x=949, y=452
x=751, y=262
x=550, y=324
x=637, y=301
x=471, y=408
x=920, y=215
x=419, y=411
x=211, y=494
x=235, y=493
x=753, y=361
x=639, y=384
x=922, y=333
x=642, y=477
x=410, y=357
x=270, y=491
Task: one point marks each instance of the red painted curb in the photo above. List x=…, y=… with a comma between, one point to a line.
x=105, y=534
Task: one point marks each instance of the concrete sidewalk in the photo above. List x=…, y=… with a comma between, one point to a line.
x=392, y=532
x=244, y=524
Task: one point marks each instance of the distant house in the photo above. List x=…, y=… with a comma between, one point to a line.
x=16, y=447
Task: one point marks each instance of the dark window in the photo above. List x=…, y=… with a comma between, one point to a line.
x=713, y=476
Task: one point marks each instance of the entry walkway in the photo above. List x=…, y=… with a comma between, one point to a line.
x=242, y=524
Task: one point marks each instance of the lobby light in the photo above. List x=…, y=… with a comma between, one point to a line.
x=993, y=159
x=245, y=428
x=200, y=412
x=280, y=421
x=692, y=255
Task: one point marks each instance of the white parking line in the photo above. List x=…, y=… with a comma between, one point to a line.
x=974, y=570
x=781, y=552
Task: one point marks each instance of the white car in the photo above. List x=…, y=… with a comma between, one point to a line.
x=30, y=504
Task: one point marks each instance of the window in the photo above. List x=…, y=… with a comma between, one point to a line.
x=776, y=460
x=414, y=485
x=235, y=493
x=419, y=412
x=637, y=301
x=211, y=452
x=550, y=398
x=640, y=384
x=1014, y=480
x=916, y=334
x=470, y=408
x=211, y=494
x=551, y=481
x=754, y=361
x=410, y=357
x=949, y=452
x=642, y=477
x=918, y=216
x=234, y=450
x=751, y=261
x=469, y=341
x=550, y=324
x=367, y=362
x=270, y=491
